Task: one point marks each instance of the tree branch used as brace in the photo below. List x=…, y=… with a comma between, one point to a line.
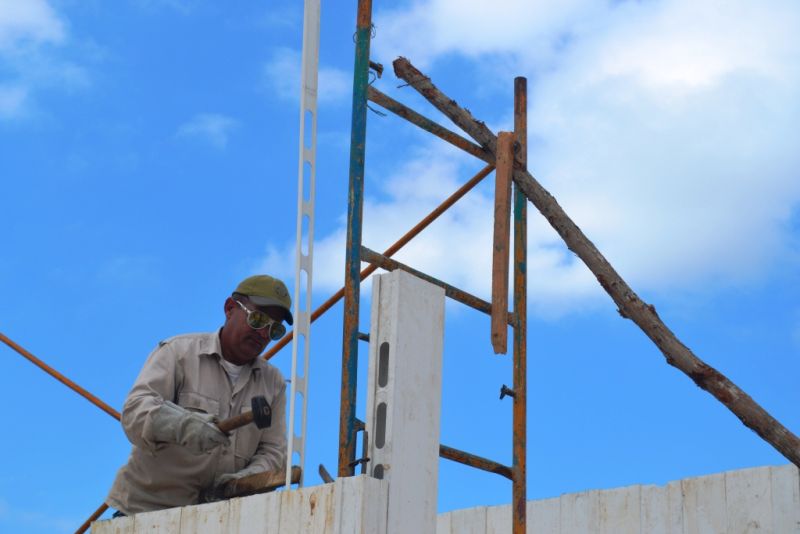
x=630, y=305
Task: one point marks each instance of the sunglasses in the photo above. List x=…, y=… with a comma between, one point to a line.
x=258, y=320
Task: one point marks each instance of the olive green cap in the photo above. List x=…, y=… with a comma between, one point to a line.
x=264, y=290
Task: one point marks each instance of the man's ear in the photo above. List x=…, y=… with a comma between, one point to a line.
x=228, y=307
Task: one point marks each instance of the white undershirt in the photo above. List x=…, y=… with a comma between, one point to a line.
x=232, y=369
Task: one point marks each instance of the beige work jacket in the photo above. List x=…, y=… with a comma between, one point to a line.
x=187, y=371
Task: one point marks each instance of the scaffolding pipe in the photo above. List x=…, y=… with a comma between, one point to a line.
x=60, y=377
x=355, y=209
x=400, y=243
x=630, y=306
x=520, y=410
x=452, y=292
x=403, y=111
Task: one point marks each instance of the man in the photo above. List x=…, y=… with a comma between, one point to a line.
x=187, y=384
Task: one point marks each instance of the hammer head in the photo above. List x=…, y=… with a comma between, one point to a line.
x=262, y=413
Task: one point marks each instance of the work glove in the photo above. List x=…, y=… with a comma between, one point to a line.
x=196, y=431
x=224, y=486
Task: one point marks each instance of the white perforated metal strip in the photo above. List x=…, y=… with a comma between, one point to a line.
x=305, y=212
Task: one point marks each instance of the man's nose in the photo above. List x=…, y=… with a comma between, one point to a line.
x=264, y=332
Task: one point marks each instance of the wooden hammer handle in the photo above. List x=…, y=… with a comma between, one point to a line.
x=232, y=423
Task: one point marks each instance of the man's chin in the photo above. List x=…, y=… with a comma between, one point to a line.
x=253, y=349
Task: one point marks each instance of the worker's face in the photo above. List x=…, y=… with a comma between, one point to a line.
x=241, y=343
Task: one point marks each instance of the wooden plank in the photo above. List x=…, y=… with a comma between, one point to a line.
x=210, y=518
x=348, y=497
x=120, y=525
x=704, y=509
x=498, y=519
x=579, y=512
x=376, y=505
x=502, y=237
x=468, y=521
x=618, y=511
x=257, y=514
x=307, y=510
x=161, y=522
x=654, y=509
x=443, y=523
x=662, y=509
x=748, y=500
x=544, y=516
x=360, y=505
x=785, y=485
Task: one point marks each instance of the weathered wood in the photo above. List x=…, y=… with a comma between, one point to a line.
x=619, y=511
x=256, y=514
x=704, y=508
x=258, y=483
x=498, y=520
x=628, y=302
x=748, y=501
x=120, y=525
x=785, y=485
x=209, y=518
x=579, y=512
x=468, y=521
x=544, y=516
x=502, y=236
x=161, y=522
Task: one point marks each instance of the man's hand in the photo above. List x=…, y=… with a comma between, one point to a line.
x=194, y=430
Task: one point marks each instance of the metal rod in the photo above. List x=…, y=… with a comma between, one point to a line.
x=400, y=243
x=355, y=205
x=501, y=238
x=519, y=454
x=61, y=378
x=472, y=460
x=428, y=125
x=92, y=518
x=451, y=291
x=630, y=305
x=324, y=475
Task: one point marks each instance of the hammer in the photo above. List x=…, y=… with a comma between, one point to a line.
x=260, y=414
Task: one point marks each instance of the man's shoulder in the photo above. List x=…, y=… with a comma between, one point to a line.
x=202, y=342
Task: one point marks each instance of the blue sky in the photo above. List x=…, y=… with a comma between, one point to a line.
x=148, y=155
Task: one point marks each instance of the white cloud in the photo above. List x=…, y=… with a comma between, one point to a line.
x=33, y=38
x=26, y=22
x=667, y=130
x=428, y=29
x=667, y=136
x=212, y=128
x=456, y=248
x=282, y=76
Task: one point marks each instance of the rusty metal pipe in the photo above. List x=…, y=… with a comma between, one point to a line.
x=400, y=243
x=450, y=291
x=60, y=377
x=473, y=460
x=403, y=111
x=520, y=409
x=355, y=209
x=97, y=513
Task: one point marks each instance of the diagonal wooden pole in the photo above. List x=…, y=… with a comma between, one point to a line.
x=629, y=304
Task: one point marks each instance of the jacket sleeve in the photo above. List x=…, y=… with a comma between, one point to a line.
x=271, y=452
x=156, y=383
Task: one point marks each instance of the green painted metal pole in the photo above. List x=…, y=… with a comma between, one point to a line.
x=355, y=204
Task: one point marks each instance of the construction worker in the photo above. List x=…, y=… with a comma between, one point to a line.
x=188, y=383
